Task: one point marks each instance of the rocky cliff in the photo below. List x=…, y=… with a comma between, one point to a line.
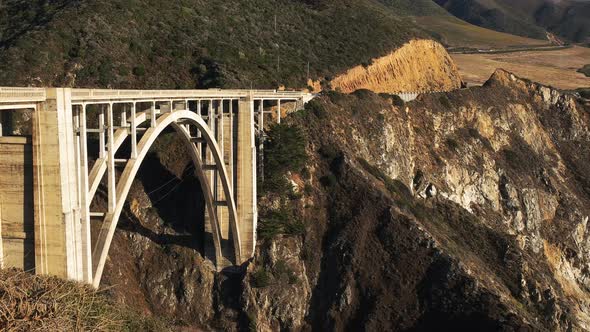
x=419, y=65
x=464, y=210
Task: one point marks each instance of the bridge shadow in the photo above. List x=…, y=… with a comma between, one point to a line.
x=177, y=201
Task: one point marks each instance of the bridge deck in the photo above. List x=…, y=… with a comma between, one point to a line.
x=10, y=95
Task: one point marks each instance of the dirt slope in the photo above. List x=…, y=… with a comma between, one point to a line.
x=420, y=65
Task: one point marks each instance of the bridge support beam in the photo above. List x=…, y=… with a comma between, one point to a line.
x=246, y=176
x=58, y=245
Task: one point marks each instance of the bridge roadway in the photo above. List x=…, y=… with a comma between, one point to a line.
x=49, y=179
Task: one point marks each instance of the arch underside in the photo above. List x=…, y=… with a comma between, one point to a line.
x=101, y=247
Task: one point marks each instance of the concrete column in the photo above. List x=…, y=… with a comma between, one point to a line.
x=222, y=212
x=55, y=187
x=16, y=202
x=261, y=140
x=199, y=145
x=133, y=132
x=84, y=197
x=246, y=177
x=279, y=111
x=207, y=160
x=229, y=143
x=153, y=115
x=102, y=134
x=111, y=184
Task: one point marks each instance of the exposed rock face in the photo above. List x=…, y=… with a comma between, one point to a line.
x=419, y=65
x=466, y=210
x=500, y=192
x=283, y=304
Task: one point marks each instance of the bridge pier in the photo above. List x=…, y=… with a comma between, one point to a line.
x=246, y=176
x=58, y=245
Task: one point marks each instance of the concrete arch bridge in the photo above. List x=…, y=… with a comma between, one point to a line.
x=48, y=180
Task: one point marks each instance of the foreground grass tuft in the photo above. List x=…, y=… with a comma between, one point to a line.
x=41, y=303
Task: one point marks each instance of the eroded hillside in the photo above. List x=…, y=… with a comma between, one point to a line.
x=419, y=65
x=466, y=210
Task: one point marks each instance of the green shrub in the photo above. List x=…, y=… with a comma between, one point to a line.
x=329, y=180
x=277, y=184
x=305, y=173
x=308, y=189
x=282, y=270
x=336, y=97
x=317, y=108
x=585, y=70
x=267, y=229
x=261, y=278
x=293, y=279
x=329, y=152
x=445, y=102
x=452, y=144
x=280, y=267
x=284, y=151
x=584, y=92
x=281, y=221
x=139, y=71
x=294, y=227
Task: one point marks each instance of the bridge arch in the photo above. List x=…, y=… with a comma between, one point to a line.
x=187, y=117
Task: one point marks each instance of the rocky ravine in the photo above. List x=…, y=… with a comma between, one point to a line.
x=467, y=210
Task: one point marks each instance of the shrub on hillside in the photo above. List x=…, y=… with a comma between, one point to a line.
x=276, y=222
x=284, y=151
x=585, y=70
x=315, y=106
x=261, y=278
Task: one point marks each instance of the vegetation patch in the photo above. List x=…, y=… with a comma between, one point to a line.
x=316, y=108
x=261, y=278
x=41, y=303
x=282, y=221
x=584, y=92
x=585, y=70
x=205, y=43
x=445, y=102
x=284, y=152
x=283, y=271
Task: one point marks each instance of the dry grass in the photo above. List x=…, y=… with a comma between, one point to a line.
x=557, y=68
x=41, y=303
x=456, y=33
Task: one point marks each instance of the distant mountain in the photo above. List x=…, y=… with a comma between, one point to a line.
x=569, y=19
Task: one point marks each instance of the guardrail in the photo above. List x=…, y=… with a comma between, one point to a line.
x=32, y=95
x=22, y=95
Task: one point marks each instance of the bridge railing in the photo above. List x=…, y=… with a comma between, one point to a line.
x=33, y=95
x=22, y=95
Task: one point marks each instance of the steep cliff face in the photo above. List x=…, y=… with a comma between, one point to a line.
x=494, y=215
x=466, y=210
x=419, y=65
